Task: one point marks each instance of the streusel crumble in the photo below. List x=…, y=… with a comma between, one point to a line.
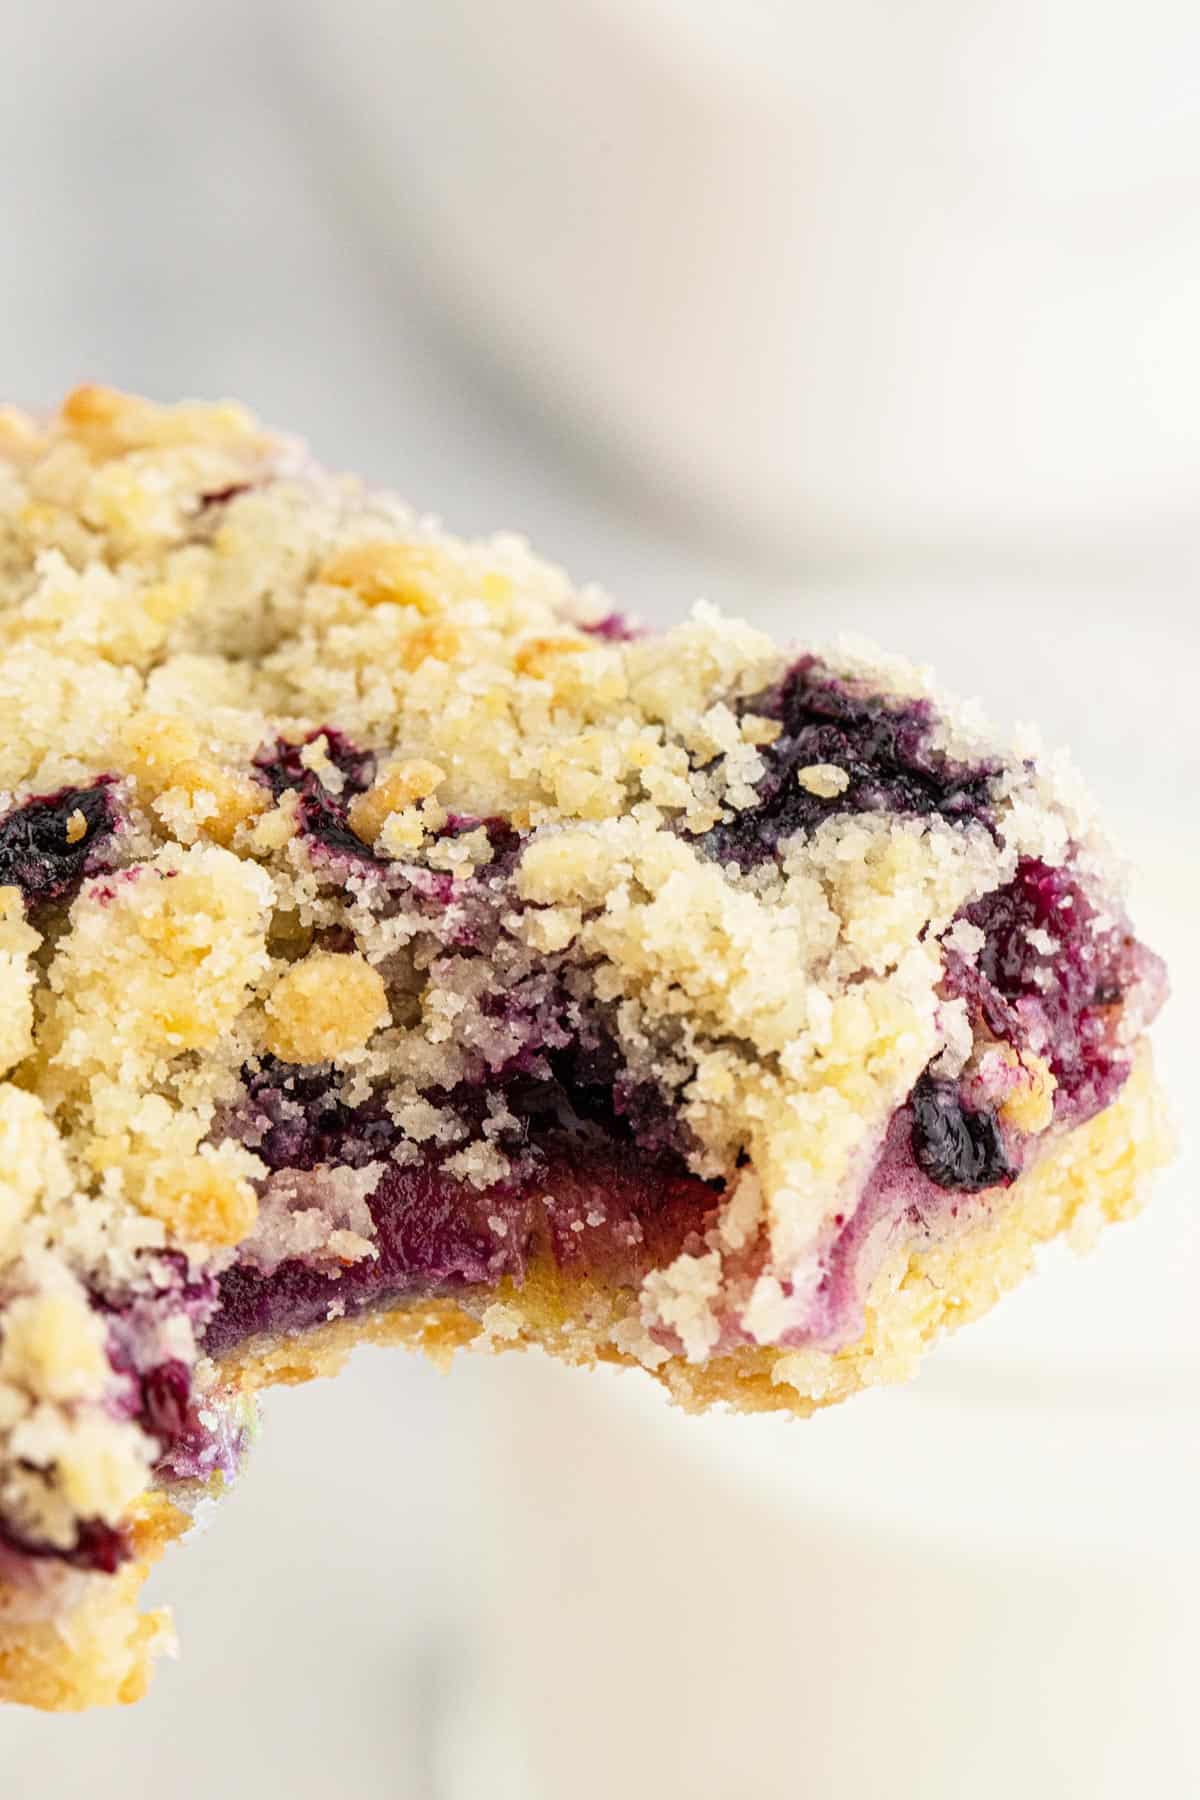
x=397, y=943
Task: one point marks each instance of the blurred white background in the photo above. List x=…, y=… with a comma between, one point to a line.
x=846, y=319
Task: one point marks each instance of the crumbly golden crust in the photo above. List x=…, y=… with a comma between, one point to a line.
x=80, y=1641
x=307, y=741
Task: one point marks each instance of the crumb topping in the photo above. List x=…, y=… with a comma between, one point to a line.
x=341, y=858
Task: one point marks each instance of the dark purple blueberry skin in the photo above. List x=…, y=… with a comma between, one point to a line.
x=616, y=628
x=1071, y=993
x=884, y=746
x=322, y=814
x=166, y=1403
x=36, y=854
x=280, y=767
x=958, y=1148
x=223, y=495
x=1063, y=1003
x=99, y=1549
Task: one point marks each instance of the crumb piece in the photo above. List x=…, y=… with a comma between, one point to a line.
x=314, y=756
x=461, y=856
x=742, y=1212
x=348, y=1247
x=18, y=941
x=501, y=1323
x=480, y=1164
x=824, y=779
x=110, y=422
x=200, y=1202
x=20, y=439
x=392, y=574
x=276, y=827
x=552, y=928
x=325, y=1006
x=769, y=1311
x=958, y=1037
x=964, y=938
x=410, y=829
x=100, y=1465
x=33, y=1168
x=1029, y=1106
x=394, y=790
x=54, y=1346
x=158, y=961
x=681, y=1298
x=565, y=865
x=541, y=656
x=759, y=731
x=437, y=643
x=632, y=1337
x=91, y=611
x=190, y=791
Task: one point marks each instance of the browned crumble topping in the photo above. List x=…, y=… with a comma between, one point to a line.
x=185, y=605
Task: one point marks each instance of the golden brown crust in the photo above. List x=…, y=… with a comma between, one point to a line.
x=436, y=1327
x=102, y=1652
x=1095, y=1175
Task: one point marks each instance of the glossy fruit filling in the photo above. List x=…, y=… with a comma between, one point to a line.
x=884, y=748
x=48, y=844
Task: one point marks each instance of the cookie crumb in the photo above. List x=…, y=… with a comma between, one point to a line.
x=325, y=1006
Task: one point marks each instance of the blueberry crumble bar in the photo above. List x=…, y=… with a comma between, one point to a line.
x=398, y=944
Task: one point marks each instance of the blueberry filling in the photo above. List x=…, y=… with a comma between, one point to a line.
x=98, y=1549
x=48, y=843
x=607, y=1149
x=223, y=495
x=956, y=1147
x=1051, y=976
x=884, y=748
x=169, y=1414
x=322, y=813
x=615, y=628
x=598, y=1181
x=1048, y=978
x=436, y=1235
x=296, y=1119
x=165, y=1392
